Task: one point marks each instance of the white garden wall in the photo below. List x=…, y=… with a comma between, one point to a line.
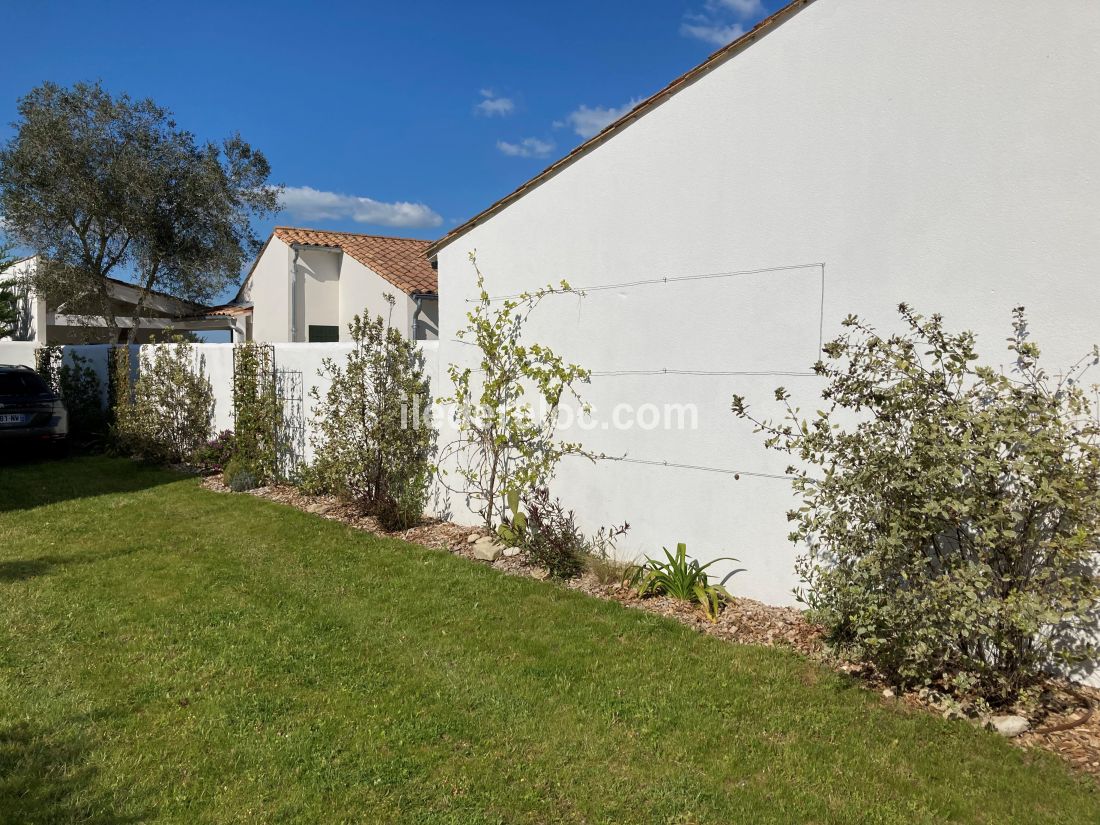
x=298, y=365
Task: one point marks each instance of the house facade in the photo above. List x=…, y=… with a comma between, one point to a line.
x=842, y=157
x=42, y=322
x=307, y=285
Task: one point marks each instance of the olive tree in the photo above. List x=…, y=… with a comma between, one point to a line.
x=9, y=299
x=104, y=186
x=950, y=511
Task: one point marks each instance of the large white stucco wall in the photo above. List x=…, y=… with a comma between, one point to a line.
x=940, y=153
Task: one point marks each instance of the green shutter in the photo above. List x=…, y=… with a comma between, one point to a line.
x=323, y=334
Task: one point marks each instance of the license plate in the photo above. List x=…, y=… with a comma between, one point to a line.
x=12, y=418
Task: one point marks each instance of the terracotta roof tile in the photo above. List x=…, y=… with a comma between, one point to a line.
x=401, y=261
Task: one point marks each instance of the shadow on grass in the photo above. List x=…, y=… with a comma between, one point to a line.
x=29, y=482
x=18, y=570
x=47, y=779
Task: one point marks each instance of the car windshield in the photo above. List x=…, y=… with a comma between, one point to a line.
x=22, y=382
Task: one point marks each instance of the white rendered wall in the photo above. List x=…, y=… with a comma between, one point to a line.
x=269, y=291
x=362, y=291
x=318, y=286
x=31, y=308
x=332, y=288
x=301, y=363
x=940, y=153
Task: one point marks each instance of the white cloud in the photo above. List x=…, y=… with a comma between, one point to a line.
x=713, y=33
x=526, y=148
x=721, y=21
x=309, y=204
x=492, y=104
x=588, y=120
x=745, y=8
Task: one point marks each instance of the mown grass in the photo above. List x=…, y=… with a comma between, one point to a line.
x=175, y=655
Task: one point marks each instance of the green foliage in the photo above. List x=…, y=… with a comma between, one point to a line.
x=374, y=443
x=681, y=579
x=9, y=311
x=101, y=185
x=78, y=384
x=9, y=298
x=239, y=475
x=549, y=534
x=504, y=445
x=120, y=392
x=82, y=393
x=168, y=414
x=514, y=531
x=47, y=363
x=213, y=456
x=257, y=410
x=952, y=515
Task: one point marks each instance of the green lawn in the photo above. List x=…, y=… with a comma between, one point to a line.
x=175, y=655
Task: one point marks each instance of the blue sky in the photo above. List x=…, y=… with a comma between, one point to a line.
x=395, y=118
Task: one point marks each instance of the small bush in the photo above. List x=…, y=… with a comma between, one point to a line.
x=549, y=534
x=239, y=477
x=601, y=561
x=374, y=445
x=952, y=515
x=681, y=579
x=82, y=393
x=552, y=538
x=609, y=570
x=168, y=413
x=213, y=456
x=78, y=384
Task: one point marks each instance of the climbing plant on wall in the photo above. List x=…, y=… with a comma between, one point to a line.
x=257, y=411
x=504, y=444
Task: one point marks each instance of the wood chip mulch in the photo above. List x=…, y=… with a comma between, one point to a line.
x=1055, y=726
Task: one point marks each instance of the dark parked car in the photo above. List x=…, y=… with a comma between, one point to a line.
x=29, y=409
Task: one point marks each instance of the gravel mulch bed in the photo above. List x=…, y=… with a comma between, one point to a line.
x=1064, y=725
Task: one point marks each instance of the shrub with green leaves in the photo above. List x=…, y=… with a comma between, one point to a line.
x=77, y=382
x=951, y=511
x=239, y=475
x=548, y=533
x=83, y=396
x=257, y=411
x=215, y=455
x=504, y=445
x=375, y=441
x=168, y=414
x=679, y=578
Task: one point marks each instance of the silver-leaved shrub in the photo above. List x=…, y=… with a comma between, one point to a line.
x=951, y=511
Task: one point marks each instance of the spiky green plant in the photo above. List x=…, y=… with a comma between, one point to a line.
x=681, y=579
